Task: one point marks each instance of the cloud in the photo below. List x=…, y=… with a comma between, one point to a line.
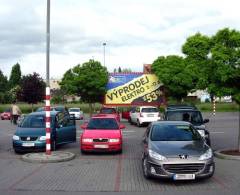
x=136, y=31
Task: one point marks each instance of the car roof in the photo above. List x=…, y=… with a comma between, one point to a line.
x=75, y=108
x=171, y=123
x=181, y=107
x=104, y=116
x=52, y=113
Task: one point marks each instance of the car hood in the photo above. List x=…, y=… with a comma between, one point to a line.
x=101, y=133
x=34, y=132
x=175, y=148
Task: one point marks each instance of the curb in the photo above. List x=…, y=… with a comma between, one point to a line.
x=220, y=155
x=55, y=157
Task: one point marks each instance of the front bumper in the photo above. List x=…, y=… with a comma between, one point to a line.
x=38, y=146
x=111, y=147
x=159, y=170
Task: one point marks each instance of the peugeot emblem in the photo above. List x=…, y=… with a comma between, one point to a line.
x=28, y=138
x=184, y=156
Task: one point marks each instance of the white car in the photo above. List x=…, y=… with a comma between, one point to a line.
x=76, y=112
x=144, y=115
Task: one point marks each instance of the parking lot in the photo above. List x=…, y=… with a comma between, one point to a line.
x=115, y=173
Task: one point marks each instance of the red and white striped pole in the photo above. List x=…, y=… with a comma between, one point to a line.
x=48, y=122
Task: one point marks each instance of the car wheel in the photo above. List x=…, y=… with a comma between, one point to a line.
x=130, y=121
x=53, y=146
x=145, y=169
x=83, y=151
x=138, y=123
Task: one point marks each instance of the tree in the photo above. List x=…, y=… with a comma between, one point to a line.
x=5, y=96
x=88, y=81
x=175, y=76
x=32, y=89
x=15, y=76
x=119, y=69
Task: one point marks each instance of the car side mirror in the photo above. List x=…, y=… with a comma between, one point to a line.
x=205, y=120
x=121, y=126
x=84, y=126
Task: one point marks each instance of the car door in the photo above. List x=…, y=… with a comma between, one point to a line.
x=66, y=129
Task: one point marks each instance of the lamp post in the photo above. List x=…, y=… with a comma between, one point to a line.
x=104, y=44
x=47, y=108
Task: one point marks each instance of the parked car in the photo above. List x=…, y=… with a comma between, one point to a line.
x=30, y=135
x=144, y=115
x=102, y=133
x=191, y=114
x=111, y=111
x=6, y=115
x=78, y=114
x=54, y=108
x=126, y=113
x=175, y=150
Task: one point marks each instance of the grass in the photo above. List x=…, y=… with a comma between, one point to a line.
x=204, y=107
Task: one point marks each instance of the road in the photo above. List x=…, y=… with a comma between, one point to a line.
x=115, y=173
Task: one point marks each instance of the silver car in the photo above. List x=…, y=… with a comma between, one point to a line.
x=176, y=150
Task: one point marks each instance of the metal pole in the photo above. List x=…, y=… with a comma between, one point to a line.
x=104, y=44
x=47, y=109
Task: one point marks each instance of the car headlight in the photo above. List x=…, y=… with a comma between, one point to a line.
x=42, y=138
x=113, y=140
x=87, y=140
x=201, y=132
x=156, y=156
x=15, y=137
x=207, y=155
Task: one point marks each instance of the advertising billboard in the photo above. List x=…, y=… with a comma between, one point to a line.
x=134, y=89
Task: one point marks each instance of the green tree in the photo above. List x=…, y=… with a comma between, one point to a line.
x=32, y=89
x=3, y=83
x=15, y=76
x=174, y=74
x=87, y=81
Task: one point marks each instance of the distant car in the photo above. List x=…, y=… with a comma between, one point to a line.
x=78, y=114
x=6, y=115
x=175, y=150
x=111, y=111
x=144, y=115
x=126, y=113
x=101, y=133
x=191, y=114
x=30, y=135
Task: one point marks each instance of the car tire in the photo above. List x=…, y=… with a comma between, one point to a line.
x=138, y=123
x=83, y=151
x=53, y=146
x=130, y=121
x=146, y=174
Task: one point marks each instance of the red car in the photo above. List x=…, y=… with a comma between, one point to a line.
x=6, y=115
x=111, y=111
x=102, y=133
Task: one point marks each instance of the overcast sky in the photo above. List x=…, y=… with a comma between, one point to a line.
x=135, y=31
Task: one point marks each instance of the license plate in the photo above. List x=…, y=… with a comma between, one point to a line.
x=150, y=115
x=184, y=176
x=28, y=144
x=100, y=146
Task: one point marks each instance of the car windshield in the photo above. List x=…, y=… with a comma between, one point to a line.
x=34, y=121
x=194, y=117
x=168, y=132
x=108, y=111
x=74, y=110
x=102, y=123
x=149, y=110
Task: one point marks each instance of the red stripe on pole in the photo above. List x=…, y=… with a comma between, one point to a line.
x=48, y=119
x=48, y=97
x=48, y=130
x=48, y=141
x=47, y=108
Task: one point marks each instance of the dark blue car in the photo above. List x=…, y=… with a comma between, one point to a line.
x=31, y=133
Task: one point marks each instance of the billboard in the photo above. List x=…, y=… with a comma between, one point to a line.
x=134, y=89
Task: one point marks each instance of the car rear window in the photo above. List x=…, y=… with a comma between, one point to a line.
x=74, y=110
x=149, y=110
x=102, y=123
x=108, y=111
x=194, y=117
x=169, y=132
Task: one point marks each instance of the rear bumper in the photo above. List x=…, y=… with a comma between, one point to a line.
x=143, y=120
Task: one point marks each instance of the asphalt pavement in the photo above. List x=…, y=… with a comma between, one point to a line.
x=115, y=173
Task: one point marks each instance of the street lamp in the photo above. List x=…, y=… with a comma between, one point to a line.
x=104, y=44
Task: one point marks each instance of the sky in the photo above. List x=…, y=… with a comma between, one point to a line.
x=136, y=32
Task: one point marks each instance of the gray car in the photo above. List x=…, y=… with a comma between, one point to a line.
x=175, y=150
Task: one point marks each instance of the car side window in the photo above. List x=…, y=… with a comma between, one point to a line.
x=68, y=121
